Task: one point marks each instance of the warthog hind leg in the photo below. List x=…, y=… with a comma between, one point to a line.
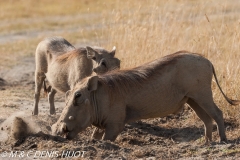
x=205, y=100
x=217, y=115
x=207, y=120
x=39, y=78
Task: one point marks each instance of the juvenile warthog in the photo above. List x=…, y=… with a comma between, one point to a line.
x=155, y=89
x=63, y=66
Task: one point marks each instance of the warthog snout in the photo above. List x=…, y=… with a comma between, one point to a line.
x=63, y=127
x=60, y=129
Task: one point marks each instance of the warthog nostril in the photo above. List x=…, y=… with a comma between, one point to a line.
x=64, y=127
x=71, y=118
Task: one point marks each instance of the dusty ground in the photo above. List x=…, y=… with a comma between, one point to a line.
x=174, y=137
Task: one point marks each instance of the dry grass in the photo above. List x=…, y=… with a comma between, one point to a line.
x=158, y=28
x=141, y=30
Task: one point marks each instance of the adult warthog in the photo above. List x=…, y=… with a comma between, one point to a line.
x=155, y=89
x=63, y=66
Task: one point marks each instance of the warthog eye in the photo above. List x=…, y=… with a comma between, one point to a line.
x=77, y=95
x=104, y=64
x=94, y=58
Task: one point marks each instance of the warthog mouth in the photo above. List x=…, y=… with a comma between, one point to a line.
x=68, y=134
x=101, y=72
x=63, y=131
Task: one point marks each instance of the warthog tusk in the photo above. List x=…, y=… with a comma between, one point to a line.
x=71, y=118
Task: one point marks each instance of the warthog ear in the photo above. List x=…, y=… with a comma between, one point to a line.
x=113, y=51
x=91, y=53
x=93, y=83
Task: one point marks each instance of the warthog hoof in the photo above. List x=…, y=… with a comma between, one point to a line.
x=223, y=141
x=52, y=111
x=35, y=112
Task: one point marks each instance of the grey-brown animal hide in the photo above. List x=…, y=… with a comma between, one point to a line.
x=63, y=66
x=155, y=89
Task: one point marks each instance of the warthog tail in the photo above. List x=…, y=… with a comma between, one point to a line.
x=46, y=90
x=230, y=101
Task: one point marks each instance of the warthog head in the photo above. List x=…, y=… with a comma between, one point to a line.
x=105, y=60
x=78, y=113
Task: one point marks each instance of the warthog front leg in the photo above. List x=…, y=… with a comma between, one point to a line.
x=97, y=133
x=112, y=130
x=39, y=78
x=51, y=95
